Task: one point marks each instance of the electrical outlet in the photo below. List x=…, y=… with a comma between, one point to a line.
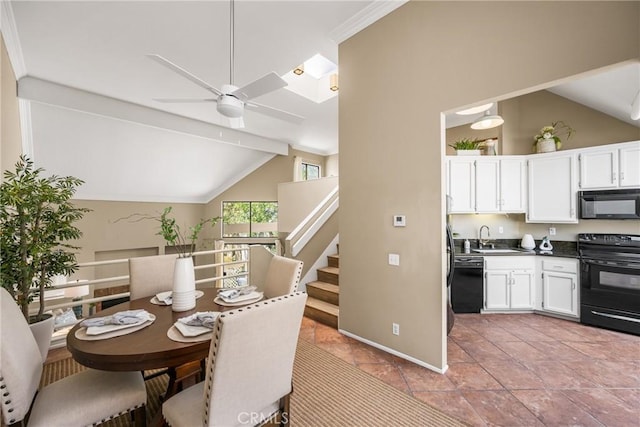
x=500, y=230
x=394, y=259
x=552, y=231
x=395, y=329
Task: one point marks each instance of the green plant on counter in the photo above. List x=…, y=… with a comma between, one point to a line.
x=466, y=144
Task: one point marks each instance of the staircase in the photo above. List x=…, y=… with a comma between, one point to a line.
x=323, y=294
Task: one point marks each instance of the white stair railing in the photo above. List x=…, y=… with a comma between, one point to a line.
x=304, y=232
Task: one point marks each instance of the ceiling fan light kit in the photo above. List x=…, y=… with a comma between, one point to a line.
x=231, y=100
x=487, y=121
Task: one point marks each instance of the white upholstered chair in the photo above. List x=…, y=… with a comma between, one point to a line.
x=283, y=276
x=150, y=275
x=249, y=368
x=89, y=397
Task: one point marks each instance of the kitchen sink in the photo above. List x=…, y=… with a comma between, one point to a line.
x=496, y=251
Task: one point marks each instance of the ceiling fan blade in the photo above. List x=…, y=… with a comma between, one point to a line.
x=178, y=100
x=274, y=112
x=236, y=123
x=184, y=73
x=265, y=84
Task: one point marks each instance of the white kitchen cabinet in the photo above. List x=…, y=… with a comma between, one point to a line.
x=513, y=185
x=486, y=185
x=612, y=166
x=461, y=185
x=560, y=286
x=509, y=283
x=552, y=188
x=630, y=165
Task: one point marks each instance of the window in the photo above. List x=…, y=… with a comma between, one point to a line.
x=250, y=219
x=310, y=171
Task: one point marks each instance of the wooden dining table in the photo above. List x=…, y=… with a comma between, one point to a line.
x=148, y=348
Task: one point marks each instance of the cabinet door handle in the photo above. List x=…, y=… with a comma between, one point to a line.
x=613, y=177
x=621, y=176
x=573, y=284
x=558, y=266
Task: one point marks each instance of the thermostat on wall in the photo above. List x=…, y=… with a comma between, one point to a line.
x=399, y=220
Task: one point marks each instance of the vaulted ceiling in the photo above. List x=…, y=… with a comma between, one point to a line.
x=88, y=88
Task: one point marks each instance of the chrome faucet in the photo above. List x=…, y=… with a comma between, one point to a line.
x=482, y=242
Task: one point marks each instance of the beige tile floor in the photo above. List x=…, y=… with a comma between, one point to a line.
x=513, y=370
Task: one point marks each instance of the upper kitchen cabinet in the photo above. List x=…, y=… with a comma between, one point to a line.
x=492, y=184
x=616, y=166
x=461, y=185
x=552, y=188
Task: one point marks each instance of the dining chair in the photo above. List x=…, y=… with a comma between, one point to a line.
x=150, y=275
x=87, y=398
x=249, y=368
x=283, y=276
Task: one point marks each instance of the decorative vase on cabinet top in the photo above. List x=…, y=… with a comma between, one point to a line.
x=546, y=145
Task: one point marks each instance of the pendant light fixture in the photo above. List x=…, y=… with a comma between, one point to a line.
x=487, y=121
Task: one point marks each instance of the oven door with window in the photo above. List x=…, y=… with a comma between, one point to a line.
x=610, y=291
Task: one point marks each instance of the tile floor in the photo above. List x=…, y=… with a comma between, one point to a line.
x=513, y=370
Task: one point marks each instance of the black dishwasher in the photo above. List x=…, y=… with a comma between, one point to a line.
x=466, y=286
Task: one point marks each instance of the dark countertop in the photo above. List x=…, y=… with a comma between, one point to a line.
x=560, y=249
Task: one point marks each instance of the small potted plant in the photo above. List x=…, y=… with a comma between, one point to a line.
x=467, y=147
x=184, y=241
x=549, y=137
x=37, y=223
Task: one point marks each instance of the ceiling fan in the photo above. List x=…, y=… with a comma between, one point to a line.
x=232, y=100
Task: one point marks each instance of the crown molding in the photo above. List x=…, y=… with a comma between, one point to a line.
x=11, y=39
x=367, y=16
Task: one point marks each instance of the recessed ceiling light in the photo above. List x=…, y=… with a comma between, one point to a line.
x=475, y=110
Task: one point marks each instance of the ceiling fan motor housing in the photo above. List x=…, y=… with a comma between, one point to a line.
x=230, y=106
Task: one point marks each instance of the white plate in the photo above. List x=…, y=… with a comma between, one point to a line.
x=155, y=300
x=243, y=300
x=191, y=331
x=99, y=330
x=81, y=333
x=174, y=335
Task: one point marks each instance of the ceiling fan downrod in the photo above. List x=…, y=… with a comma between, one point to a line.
x=231, y=44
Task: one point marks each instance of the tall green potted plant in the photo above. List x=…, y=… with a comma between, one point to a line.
x=37, y=224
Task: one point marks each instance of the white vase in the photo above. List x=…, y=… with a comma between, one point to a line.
x=546, y=145
x=183, y=296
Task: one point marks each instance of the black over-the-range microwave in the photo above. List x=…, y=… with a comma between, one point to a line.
x=610, y=204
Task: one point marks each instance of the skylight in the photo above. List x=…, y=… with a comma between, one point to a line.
x=313, y=79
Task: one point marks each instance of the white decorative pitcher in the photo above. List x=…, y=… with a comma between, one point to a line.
x=183, y=296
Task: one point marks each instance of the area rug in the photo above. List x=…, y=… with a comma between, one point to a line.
x=327, y=392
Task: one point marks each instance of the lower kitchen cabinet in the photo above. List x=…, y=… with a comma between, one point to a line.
x=560, y=286
x=509, y=283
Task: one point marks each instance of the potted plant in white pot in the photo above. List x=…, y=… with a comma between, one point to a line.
x=37, y=223
x=184, y=241
x=467, y=147
x=549, y=137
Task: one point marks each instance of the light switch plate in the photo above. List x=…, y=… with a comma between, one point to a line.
x=394, y=259
x=399, y=220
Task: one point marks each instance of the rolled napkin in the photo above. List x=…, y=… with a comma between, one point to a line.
x=164, y=297
x=231, y=294
x=201, y=318
x=128, y=317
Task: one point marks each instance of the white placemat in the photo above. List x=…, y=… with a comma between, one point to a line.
x=174, y=335
x=244, y=300
x=81, y=333
x=155, y=300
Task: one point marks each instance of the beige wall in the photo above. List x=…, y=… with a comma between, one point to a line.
x=297, y=199
x=10, y=134
x=525, y=115
x=424, y=50
x=260, y=185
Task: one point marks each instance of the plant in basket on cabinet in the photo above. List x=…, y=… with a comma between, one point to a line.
x=549, y=137
x=467, y=146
